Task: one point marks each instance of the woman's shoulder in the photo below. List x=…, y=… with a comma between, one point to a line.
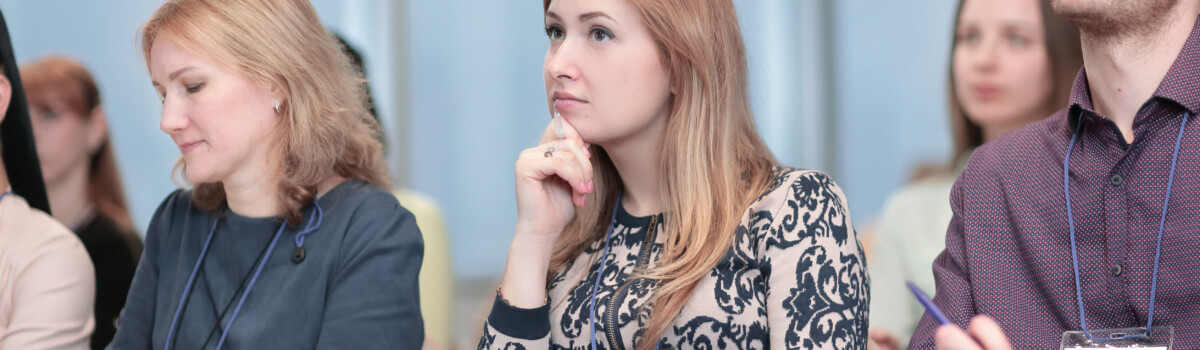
x=366, y=212
x=360, y=199
x=921, y=195
x=102, y=236
x=362, y=217
x=178, y=201
x=795, y=202
x=805, y=185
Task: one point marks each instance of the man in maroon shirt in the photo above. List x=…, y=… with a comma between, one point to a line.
x=1089, y=219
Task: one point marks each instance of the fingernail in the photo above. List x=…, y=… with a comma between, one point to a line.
x=583, y=202
x=586, y=151
x=591, y=186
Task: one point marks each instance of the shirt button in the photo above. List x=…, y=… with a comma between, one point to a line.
x=1116, y=180
x=1116, y=270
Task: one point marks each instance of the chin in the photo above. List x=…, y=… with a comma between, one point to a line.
x=199, y=175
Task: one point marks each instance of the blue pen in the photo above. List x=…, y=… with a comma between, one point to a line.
x=929, y=306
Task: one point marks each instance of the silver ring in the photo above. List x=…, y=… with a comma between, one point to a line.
x=549, y=152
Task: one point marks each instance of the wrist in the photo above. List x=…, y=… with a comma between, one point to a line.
x=524, y=281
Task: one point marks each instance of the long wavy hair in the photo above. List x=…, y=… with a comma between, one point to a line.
x=326, y=129
x=714, y=162
x=56, y=80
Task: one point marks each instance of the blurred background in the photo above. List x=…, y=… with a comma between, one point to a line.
x=855, y=88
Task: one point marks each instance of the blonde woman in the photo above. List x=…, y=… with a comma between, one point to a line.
x=287, y=239
x=659, y=219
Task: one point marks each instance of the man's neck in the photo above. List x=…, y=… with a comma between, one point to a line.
x=1124, y=71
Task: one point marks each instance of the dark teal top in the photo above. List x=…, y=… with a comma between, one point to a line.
x=355, y=289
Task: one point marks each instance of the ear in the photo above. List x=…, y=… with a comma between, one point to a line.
x=278, y=93
x=5, y=96
x=97, y=131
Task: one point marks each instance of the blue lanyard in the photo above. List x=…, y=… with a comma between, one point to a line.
x=1157, y=247
x=187, y=289
x=603, y=259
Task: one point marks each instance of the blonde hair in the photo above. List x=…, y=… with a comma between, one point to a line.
x=714, y=163
x=326, y=129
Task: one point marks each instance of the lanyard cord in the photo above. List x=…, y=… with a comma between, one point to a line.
x=603, y=259
x=600, y=275
x=254, y=278
x=1157, y=247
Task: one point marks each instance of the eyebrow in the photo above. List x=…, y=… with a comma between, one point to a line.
x=173, y=75
x=584, y=17
x=179, y=71
x=594, y=14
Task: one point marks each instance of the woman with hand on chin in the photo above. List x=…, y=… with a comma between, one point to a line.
x=288, y=238
x=658, y=218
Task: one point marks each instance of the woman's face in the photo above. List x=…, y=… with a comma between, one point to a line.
x=603, y=70
x=223, y=123
x=65, y=140
x=1001, y=68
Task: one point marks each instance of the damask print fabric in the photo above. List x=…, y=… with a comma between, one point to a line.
x=794, y=279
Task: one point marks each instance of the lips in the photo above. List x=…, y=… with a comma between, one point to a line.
x=986, y=91
x=565, y=101
x=187, y=147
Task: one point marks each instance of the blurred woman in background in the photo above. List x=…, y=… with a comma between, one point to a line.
x=82, y=180
x=1012, y=63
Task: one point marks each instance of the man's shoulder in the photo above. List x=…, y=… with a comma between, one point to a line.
x=1022, y=148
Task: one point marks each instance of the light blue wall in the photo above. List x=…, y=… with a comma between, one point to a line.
x=891, y=95
x=103, y=35
x=475, y=94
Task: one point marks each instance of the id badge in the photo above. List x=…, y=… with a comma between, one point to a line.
x=1159, y=338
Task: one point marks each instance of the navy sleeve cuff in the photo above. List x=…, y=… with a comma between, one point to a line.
x=528, y=324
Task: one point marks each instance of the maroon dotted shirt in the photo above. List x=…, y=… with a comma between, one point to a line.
x=1008, y=253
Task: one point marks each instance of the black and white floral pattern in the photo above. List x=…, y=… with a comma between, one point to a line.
x=794, y=279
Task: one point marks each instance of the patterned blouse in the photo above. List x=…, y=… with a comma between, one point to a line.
x=794, y=279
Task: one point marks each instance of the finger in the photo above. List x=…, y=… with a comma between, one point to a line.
x=569, y=132
x=988, y=333
x=949, y=337
x=577, y=152
x=884, y=339
x=535, y=165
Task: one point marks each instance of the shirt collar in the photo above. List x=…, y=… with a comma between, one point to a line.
x=1180, y=85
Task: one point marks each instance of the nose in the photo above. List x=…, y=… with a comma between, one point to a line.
x=561, y=62
x=173, y=119
x=987, y=55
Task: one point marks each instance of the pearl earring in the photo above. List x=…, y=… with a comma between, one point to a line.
x=276, y=106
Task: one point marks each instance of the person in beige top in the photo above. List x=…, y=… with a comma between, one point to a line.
x=46, y=282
